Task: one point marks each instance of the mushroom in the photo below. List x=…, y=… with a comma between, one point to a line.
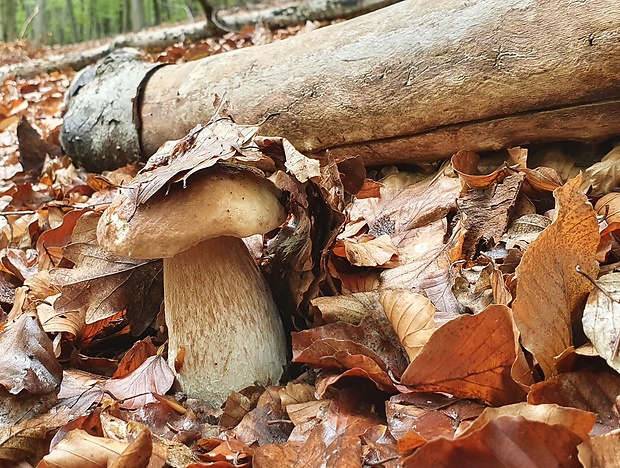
x=224, y=329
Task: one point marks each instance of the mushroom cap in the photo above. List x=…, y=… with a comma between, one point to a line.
x=214, y=203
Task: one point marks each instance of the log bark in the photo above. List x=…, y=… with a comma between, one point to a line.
x=412, y=82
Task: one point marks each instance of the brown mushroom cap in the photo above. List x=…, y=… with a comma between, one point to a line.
x=214, y=203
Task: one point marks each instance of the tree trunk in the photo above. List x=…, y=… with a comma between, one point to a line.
x=157, y=11
x=8, y=20
x=72, y=22
x=411, y=82
x=137, y=15
x=40, y=23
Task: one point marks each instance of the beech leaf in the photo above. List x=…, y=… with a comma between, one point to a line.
x=601, y=318
x=80, y=449
x=134, y=389
x=586, y=390
x=470, y=357
x=550, y=291
x=523, y=443
x=102, y=284
x=27, y=360
x=373, y=252
x=412, y=316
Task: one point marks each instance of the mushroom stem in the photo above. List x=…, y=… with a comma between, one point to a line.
x=220, y=310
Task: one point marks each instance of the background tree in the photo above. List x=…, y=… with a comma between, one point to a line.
x=137, y=14
x=8, y=20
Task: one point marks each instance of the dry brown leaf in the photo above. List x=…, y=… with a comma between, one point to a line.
x=472, y=287
x=23, y=444
x=50, y=243
x=608, y=207
x=412, y=316
x=335, y=344
x=221, y=140
x=470, y=357
x=403, y=206
x=27, y=360
x=465, y=163
x=280, y=455
x=577, y=421
x=488, y=211
x=605, y=176
x=352, y=308
x=54, y=321
x=137, y=454
x=550, y=291
x=263, y=425
x=373, y=252
x=379, y=447
x=438, y=288
x=296, y=393
x=508, y=441
x=606, y=450
x=423, y=254
x=586, y=390
x=302, y=167
x=601, y=318
x=81, y=450
x=103, y=284
x=134, y=389
x=236, y=407
x=430, y=415
x=139, y=352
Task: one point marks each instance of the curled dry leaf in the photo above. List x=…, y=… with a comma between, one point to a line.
x=523, y=443
x=412, y=316
x=586, y=390
x=488, y=211
x=605, y=175
x=373, y=252
x=606, y=450
x=430, y=415
x=403, y=206
x=550, y=291
x=465, y=163
x=601, y=318
x=438, y=288
x=134, y=389
x=577, y=421
x=608, y=207
x=352, y=308
x=27, y=360
x=318, y=347
x=81, y=450
x=470, y=357
x=137, y=454
x=102, y=284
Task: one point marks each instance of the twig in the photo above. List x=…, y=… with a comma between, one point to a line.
x=35, y=12
x=279, y=421
x=383, y=462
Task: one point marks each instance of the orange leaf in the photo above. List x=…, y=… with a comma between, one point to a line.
x=470, y=357
x=550, y=291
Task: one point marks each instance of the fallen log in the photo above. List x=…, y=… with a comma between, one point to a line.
x=412, y=82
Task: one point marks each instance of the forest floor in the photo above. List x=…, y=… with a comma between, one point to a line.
x=466, y=317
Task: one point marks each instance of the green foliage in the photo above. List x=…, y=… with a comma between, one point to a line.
x=92, y=19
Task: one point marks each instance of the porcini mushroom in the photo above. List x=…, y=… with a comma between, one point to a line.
x=222, y=321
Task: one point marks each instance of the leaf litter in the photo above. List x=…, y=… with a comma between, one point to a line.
x=433, y=317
